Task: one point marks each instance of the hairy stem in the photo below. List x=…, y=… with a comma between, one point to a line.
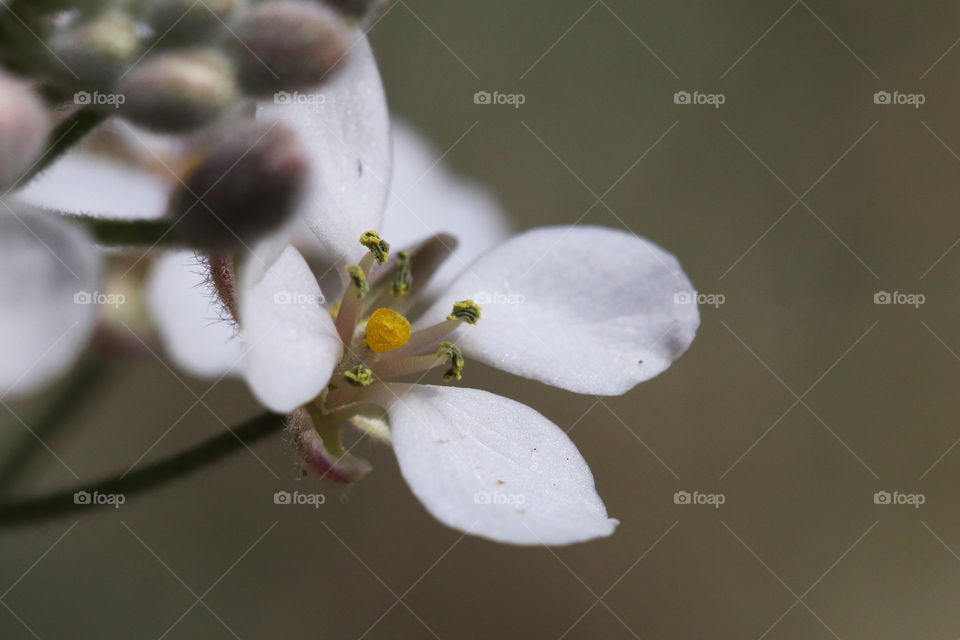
x=129, y=233
x=173, y=467
x=64, y=136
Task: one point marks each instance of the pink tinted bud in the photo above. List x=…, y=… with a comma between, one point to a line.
x=24, y=127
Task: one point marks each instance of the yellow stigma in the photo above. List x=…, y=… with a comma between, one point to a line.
x=387, y=330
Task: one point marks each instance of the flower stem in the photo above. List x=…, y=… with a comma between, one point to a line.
x=86, y=375
x=176, y=466
x=129, y=233
x=64, y=136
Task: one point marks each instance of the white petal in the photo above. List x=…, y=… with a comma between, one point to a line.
x=49, y=272
x=345, y=127
x=426, y=198
x=588, y=309
x=493, y=467
x=82, y=182
x=189, y=318
x=291, y=343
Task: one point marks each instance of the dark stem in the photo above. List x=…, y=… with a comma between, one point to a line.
x=76, y=389
x=65, y=135
x=176, y=466
x=129, y=233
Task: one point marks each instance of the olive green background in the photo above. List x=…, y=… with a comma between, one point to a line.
x=797, y=200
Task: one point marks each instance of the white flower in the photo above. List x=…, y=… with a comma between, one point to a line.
x=48, y=281
x=587, y=309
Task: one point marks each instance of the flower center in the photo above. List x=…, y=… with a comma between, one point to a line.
x=387, y=330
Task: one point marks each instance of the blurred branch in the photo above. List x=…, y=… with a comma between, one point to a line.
x=65, y=135
x=171, y=468
x=116, y=232
x=86, y=375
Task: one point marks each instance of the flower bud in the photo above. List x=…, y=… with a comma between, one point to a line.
x=94, y=54
x=24, y=127
x=287, y=45
x=243, y=189
x=178, y=91
x=178, y=22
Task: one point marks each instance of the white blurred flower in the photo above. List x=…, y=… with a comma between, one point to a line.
x=49, y=272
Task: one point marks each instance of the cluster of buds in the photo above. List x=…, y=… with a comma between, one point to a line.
x=179, y=68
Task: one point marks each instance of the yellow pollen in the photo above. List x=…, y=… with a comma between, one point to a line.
x=387, y=330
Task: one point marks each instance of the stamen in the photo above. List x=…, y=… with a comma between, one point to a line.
x=455, y=372
x=346, y=318
x=396, y=367
x=358, y=279
x=379, y=248
x=359, y=376
x=466, y=310
x=404, y=279
x=387, y=330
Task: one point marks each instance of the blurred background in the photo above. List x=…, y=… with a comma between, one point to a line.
x=793, y=203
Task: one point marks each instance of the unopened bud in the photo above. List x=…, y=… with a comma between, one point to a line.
x=178, y=91
x=24, y=127
x=94, y=54
x=178, y=22
x=247, y=187
x=288, y=45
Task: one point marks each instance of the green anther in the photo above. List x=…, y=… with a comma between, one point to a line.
x=359, y=376
x=465, y=310
x=404, y=280
x=359, y=279
x=450, y=350
x=379, y=248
